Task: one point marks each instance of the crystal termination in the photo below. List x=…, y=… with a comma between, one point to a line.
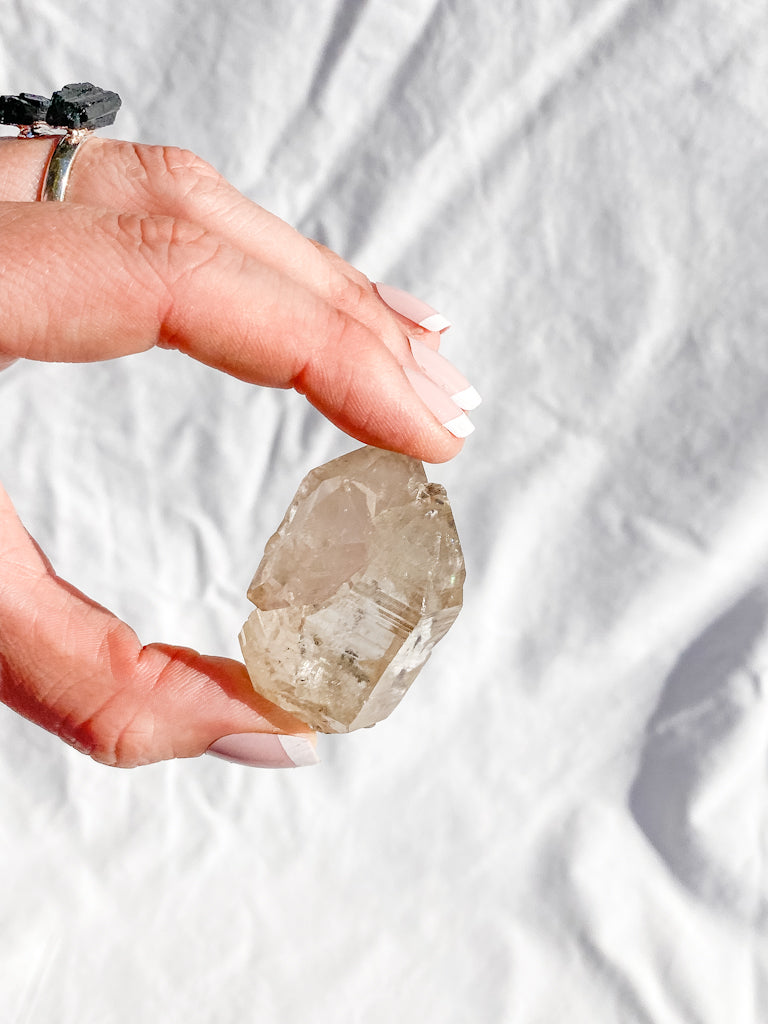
x=362, y=578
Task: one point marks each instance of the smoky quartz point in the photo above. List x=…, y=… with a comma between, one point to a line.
x=362, y=578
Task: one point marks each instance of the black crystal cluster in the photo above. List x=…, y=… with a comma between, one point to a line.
x=25, y=108
x=80, y=105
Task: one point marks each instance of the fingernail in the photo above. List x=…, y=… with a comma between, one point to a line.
x=409, y=306
x=265, y=750
x=445, y=375
x=439, y=404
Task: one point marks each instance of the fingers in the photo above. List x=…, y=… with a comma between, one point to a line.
x=391, y=297
x=74, y=669
x=85, y=284
x=186, y=261
x=170, y=182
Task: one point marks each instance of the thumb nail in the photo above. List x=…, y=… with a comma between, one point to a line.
x=265, y=750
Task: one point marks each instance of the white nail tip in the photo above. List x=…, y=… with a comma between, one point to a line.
x=435, y=322
x=300, y=750
x=467, y=399
x=460, y=426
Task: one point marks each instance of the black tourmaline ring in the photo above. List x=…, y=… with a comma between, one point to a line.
x=73, y=112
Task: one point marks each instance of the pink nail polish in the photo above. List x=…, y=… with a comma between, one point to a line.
x=439, y=404
x=265, y=750
x=409, y=306
x=445, y=375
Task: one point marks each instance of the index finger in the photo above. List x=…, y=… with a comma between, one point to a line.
x=82, y=284
x=167, y=181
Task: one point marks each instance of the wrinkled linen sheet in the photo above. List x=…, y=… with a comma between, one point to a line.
x=565, y=819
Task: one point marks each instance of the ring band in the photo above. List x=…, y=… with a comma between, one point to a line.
x=76, y=110
x=60, y=164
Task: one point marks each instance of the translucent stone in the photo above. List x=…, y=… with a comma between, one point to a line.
x=362, y=578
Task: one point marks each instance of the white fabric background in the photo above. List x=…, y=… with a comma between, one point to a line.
x=566, y=818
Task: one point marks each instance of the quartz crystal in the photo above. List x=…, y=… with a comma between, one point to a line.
x=362, y=578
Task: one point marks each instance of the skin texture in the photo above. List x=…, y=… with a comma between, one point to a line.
x=184, y=261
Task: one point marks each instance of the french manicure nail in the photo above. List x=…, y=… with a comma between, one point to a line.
x=444, y=373
x=409, y=306
x=265, y=750
x=439, y=404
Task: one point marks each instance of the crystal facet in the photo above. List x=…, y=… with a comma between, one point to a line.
x=362, y=578
x=83, y=105
x=26, y=108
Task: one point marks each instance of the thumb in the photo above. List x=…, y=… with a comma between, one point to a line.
x=73, y=668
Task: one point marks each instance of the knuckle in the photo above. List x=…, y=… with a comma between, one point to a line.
x=177, y=178
x=340, y=333
x=168, y=254
x=117, y=728
x=161, y=163
x=108, y=738
x=340, y=266
x=151, y=235
x=359, y=278
x=355, y=296
x=187, y=170
x=166, y=248
x=350, y=295
x=347, y=334
x=339, y=340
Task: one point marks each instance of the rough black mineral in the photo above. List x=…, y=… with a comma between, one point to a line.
x=24, y=109
x=82, y=105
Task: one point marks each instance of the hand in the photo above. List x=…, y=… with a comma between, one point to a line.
x=154, y=247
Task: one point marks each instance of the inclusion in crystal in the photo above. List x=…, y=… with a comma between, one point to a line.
x=360, y=581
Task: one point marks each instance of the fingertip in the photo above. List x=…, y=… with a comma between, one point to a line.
x=412, y=308
x=437, y=454
x=380, y=406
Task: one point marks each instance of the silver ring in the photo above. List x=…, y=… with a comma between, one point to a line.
x=60, y=165
x=74, y=111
